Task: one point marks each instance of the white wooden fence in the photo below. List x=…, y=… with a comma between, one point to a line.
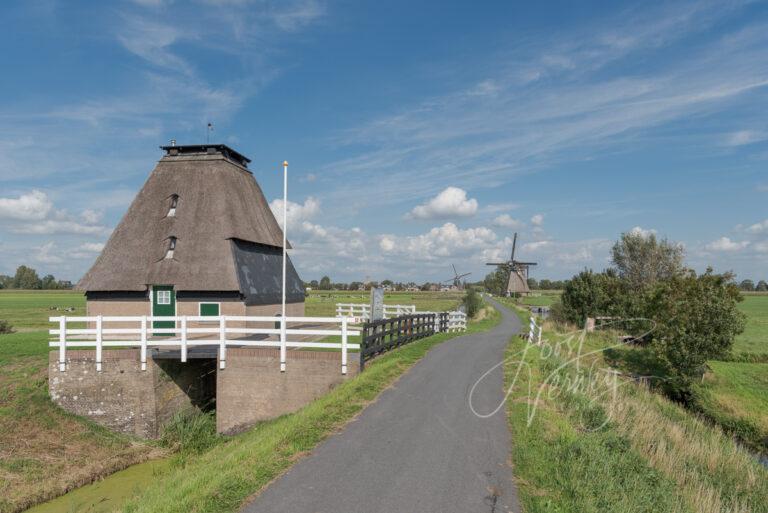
x=363, y=310
x=534, y=332
x=144, y=335
x=457, y=321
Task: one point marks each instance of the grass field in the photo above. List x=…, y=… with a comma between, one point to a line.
x=541, y=298
x=755, y=336
x=591, y=447
x=323, y=302
x=28, y=310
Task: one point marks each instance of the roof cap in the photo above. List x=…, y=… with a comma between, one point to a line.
x=207, y=149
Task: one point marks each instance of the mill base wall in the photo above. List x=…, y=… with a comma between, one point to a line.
x=252, y=388
x=126, y=399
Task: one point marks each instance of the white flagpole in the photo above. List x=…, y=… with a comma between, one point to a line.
x=285, y=252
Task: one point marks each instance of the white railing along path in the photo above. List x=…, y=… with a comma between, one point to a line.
x=145, y=335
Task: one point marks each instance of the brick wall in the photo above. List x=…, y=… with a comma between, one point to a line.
x=124, y=398
x=252, y=388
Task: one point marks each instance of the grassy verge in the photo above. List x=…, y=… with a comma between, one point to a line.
x=735, y=396
x=220, y=479
x=594, y=441
x=45, y=451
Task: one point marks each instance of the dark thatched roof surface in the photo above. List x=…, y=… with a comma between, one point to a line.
x=218, y=200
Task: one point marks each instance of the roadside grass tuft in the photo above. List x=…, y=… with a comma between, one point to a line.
x=190, y=432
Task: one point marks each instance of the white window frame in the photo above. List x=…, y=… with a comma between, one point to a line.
x=163, y=297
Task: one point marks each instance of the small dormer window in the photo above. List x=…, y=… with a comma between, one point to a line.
x=173, y=205
x=171, y=248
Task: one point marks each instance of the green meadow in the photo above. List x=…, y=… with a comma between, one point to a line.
x=755, y=336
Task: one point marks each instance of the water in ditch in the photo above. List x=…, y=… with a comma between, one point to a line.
x=108, y=494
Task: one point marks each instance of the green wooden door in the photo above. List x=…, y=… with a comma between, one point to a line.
x=163, y=303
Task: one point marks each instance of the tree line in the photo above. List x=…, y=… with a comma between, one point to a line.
x=27, y=278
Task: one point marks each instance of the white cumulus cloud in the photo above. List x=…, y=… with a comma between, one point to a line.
x=506, y=221
x=34, y=213
x=442, y=241
x=32, y=206
x=451, y=202
x=726, y=244
x=537, y=220
x=760, y=227
x=298, y=213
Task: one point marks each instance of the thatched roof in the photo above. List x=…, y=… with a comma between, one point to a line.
x=218, y=201
x=517, y=284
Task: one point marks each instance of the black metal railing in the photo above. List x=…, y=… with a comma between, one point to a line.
x=386, y=334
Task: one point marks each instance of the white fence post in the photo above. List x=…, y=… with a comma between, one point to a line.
x=62, y=344
x=531, y=329
x=282, y=344
x=143, y=342
x=344, y=345
x=183, y=338
x=99, y=341
x=222, y=342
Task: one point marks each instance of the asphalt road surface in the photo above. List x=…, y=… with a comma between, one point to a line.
x=419, y=447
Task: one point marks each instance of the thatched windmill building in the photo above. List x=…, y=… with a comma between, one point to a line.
x=517, y=281
x=198, y=239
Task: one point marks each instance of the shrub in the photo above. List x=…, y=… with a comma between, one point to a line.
x=590, y=294
x=472, y=302
x=696, y=320
x=5, y=327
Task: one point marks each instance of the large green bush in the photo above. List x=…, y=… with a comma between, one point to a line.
x=697, y=319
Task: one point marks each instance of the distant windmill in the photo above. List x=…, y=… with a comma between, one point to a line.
x=517, y=283
x=456, y=278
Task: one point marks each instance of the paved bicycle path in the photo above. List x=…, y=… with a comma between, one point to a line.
x=419, y=447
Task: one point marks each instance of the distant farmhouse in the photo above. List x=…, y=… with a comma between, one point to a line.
x=199, y=239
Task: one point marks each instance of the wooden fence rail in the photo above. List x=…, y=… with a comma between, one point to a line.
x=386, y=334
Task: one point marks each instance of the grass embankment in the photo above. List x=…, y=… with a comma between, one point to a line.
x=222, y=478
x=45, y=451
x=598, y=442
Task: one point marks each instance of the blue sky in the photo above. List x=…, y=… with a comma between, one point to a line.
x=419, y=134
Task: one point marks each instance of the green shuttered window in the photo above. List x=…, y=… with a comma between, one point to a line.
x=209, y=309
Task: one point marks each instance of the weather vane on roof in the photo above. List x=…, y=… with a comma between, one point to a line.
x=208, y=133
